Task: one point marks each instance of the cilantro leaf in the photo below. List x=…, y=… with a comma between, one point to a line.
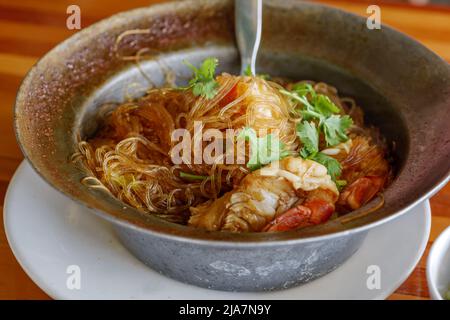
x=325, y=106
x=321, y=109
x=263, y=150
x=302, y=89
x=319, y=105
x=264, y=76
x=340, y=184
x=202, y=82
x=309, y=111
x=333, y=166
x=308, y=134
x=248, y=71
x=334, y=128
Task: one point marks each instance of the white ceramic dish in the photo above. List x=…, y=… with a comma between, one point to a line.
x=49, y=233
x=438, y=266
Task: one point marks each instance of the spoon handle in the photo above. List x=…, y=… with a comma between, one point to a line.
x=248, y=16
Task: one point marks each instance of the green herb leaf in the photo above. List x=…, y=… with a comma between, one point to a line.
x=190, y=176
x=333, y=166
x=248, y=71
x=303, y=89
x=334, y=128
x=308, y=111
x=263, y=150
x=308, y=134
x=340, y=184
x=321, y=109
x=264, y=76
x=325, y=106
x=202, y=82
x=319, y=105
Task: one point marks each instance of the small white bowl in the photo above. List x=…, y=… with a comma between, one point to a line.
x=438, y=266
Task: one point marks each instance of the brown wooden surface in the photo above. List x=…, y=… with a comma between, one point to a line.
x=29, y=28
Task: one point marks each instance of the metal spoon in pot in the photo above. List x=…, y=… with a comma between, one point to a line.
x=248, y=25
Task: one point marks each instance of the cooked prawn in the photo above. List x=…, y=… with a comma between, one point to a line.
x=269, y=193
x=366, y=171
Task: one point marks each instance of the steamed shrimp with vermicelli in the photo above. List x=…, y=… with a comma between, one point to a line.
x=307, y=153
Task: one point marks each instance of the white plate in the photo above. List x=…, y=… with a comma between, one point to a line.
x=48, y=233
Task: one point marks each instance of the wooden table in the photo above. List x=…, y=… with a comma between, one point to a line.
x=29, y=28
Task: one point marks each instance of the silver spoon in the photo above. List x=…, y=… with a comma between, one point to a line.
x=248, y=16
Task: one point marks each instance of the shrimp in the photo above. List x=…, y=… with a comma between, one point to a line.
x=317, y=208
x=266, y=195
x=366, y=171
x=361, y=191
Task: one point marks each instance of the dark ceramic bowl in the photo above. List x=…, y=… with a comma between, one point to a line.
x=403, y=87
